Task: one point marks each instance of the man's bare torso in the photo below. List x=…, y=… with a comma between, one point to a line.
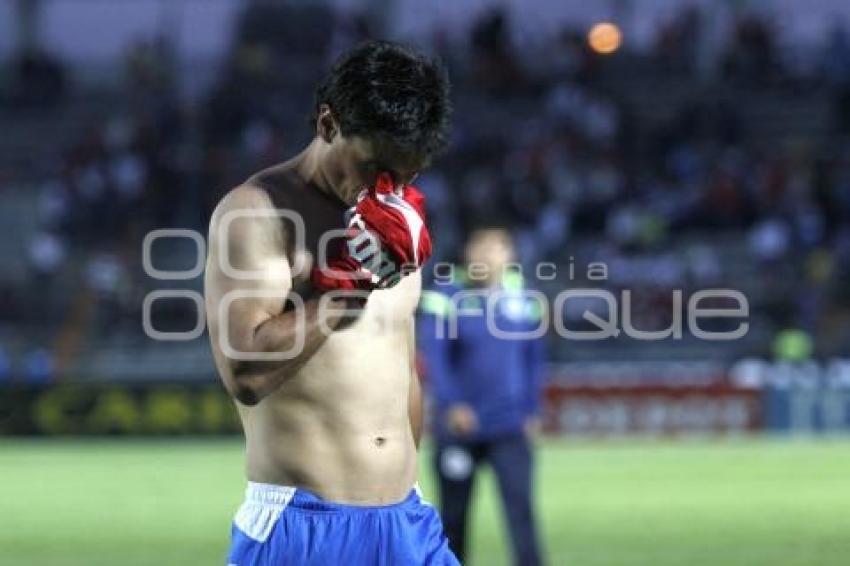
x=339, y=423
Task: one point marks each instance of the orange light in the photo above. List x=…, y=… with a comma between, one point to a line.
x=604, y=37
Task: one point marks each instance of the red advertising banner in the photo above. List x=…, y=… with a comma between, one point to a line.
x=651, y=409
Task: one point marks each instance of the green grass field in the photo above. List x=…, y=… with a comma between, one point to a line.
x=692, y=503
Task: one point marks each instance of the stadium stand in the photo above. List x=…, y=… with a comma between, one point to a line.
x=728, y=168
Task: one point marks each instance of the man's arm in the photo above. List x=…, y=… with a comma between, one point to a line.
x=536, y=368
x=458, y=415
x=435, y=310
x=258, y=324
x=415, y=392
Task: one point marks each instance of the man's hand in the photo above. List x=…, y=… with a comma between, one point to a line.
x=461, y=420
x=532, y=427
x=386, y=239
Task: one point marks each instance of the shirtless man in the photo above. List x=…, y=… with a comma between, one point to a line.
x=318, y=354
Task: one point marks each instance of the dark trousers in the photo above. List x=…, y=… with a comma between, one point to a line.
x=510, y=458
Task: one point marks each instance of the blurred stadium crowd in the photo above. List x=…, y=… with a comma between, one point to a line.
x=679, y=168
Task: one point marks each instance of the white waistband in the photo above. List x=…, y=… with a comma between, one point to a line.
x=265, y=502
x=274, y=494
x=269, y=493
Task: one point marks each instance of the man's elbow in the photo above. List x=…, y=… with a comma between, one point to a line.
x=245, y=385
x=250, y=381
x=246, y=395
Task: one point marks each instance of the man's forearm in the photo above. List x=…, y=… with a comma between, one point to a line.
x=415, y=408
x=281, y=333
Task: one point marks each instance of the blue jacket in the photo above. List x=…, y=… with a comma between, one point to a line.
x=500, y=377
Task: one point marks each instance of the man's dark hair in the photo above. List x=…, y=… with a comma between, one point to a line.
x=388, y=91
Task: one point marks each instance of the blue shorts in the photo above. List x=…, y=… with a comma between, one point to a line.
x=279, y=525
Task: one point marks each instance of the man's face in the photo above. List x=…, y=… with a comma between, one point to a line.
x=492, y=247
x=361, y=160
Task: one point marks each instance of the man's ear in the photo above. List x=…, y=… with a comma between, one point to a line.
x=326, y=126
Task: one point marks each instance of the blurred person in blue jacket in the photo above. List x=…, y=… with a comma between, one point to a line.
x=486, y=386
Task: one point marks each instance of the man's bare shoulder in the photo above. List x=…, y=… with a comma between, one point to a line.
x=244, y=196
x=277, y=178
x=263, y=191
x=260, y=190
x=245, y=222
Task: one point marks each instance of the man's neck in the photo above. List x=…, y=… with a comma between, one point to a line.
x=488, y=283
x=312, y=165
